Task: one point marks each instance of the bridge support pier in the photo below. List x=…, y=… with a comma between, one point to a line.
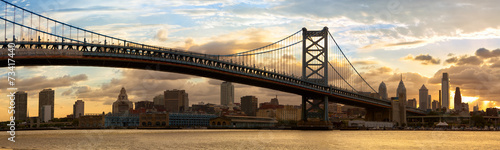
x=315, y=116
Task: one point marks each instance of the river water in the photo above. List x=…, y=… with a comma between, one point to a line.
x=250, y=139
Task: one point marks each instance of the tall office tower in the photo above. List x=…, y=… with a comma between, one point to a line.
x=159, y=100
x=445, y=87
x=176, y=100
x=429, y=103
x=21, y=105
x=401, y=94
x=122, y=104
x=78, y=109
x=226, y=93
x=382, y=90
x=46, y=98
x=440, y=101
x=423, y=95
x=458, y=100
x=249, y=105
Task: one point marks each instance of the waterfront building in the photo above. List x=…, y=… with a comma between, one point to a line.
x=91, y=121
x=121, y=120
x=271, y=113
x=46, y=98
x=249, y=105
x=154, y=120
x=21, y=99
x=176, y=100
x=288, y=113
x=190, y=120
x=122, y=104
x=226, y=93
x=423, y=98
x=458, y=100
x=445, y=93
x=382, y=90
x=242, y=122
x=78, y=109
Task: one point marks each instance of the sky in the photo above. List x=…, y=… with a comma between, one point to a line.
x=384, y=39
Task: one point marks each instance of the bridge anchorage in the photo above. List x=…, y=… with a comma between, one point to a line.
x=306, y=63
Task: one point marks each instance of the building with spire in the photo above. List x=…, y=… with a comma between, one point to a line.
x=122, y=104
x=398, y=104
x=445, y=91
x=423, y=96
x=382, y=90
x=458, y=100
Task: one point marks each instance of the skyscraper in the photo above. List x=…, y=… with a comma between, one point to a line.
x=401, y=94
x=46, y=99
x=249, y=105
x=429, y=103
x=176, y=100
x=21, y=105
x=274, y=101
x=382, y=90
x=122, y=104
x=226, y=93
x=458, y=100
x=445, y=87
x=423, y=95
x=159, y=100
x=78, y=109
x=434, y=105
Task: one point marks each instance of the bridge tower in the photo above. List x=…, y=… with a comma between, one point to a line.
x=315, y=69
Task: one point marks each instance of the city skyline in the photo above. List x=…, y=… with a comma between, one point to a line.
x=467, y=54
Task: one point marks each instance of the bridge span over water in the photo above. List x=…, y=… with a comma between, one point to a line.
x=307, y=63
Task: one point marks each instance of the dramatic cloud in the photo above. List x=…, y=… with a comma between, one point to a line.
x=41, y=82
x=424, y=59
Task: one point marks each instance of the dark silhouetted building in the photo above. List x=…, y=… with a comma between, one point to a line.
x=249, y=105
x=423, y=95
x=46, y=100
x=176, y=100
x=21, y=105
x=78, y=109
x=458, y=100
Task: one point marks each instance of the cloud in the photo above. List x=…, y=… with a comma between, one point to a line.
x=424, y=59
x=485, y=53
x=364, y=62
x=405, y=43
x=41, y=82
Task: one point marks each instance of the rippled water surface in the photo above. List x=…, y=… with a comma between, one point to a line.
x=251, y=139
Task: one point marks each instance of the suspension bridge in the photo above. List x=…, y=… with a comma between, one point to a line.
x=307, y=63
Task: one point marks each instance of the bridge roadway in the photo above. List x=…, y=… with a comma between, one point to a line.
x=87, y=54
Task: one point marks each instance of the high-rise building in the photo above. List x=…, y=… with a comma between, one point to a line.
x=21, y=99
x=176, y=100
x=382, y=90
x=122, y=104
x=78, y=109
x=401, y=94
x=458, y=100
x=434, y=105
x=476, y=108
x=249, y=105
x=445, y=87
x=423, y=95
x=440, y=101
x=46, y=98
x=46, y=110
x=226, y=93
x=159, y=100
x=412, y=103
x=429, y=103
